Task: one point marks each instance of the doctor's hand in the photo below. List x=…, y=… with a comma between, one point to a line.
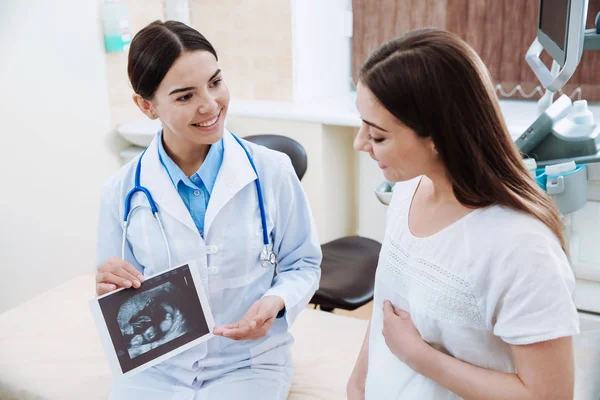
x=257, y=321
x=401, y=334
x=116, y=273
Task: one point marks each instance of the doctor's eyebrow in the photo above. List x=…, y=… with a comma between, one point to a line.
x=185, y=89
x=373, y=125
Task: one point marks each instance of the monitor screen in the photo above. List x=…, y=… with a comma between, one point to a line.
x=554, y=17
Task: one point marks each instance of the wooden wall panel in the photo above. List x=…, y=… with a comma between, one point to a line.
x=500, y=32
x=378, y=21
x=525, y=24
x=478, y=22
x=591, y=59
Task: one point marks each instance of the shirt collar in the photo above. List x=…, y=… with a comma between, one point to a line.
x=207, y=172
x=209, y=169
x=175, y=173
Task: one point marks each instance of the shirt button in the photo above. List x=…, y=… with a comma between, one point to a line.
x=213, y=270
x=196, y=193
x=195, y=178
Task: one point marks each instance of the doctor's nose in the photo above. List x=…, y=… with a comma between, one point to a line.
x=361, y=141
x=208, y=105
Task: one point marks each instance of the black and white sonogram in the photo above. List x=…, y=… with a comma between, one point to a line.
x=152, y=318
x=160, y=317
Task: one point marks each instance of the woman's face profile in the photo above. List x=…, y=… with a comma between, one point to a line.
x=398, y=150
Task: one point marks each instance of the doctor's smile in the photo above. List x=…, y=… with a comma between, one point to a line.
x=209, y=123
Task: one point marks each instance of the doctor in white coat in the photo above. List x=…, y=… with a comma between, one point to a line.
x=203, y=183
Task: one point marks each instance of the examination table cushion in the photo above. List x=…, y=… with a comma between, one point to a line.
x=49, y=349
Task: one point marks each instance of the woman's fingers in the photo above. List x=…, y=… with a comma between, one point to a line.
x=116, y=273
x=126, y=276
x=103, y=288
x=121, y=268
x=119, y=281
x=230, y=326
x=220, y=329
x=242, y=330
x=125, y=271
x=134, y=272
x=241, y=333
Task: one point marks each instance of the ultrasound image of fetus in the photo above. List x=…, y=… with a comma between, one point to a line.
x=151, y=319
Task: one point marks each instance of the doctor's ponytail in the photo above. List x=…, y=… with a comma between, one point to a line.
x=155, y=48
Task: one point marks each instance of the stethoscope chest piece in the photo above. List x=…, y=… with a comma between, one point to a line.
x=267, y=258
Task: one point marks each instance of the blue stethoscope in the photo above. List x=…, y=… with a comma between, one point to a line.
x=267, y=257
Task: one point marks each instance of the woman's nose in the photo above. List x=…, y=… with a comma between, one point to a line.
x=361, y=141
x=208, y=105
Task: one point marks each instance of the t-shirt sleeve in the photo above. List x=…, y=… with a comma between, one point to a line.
x=529, y=296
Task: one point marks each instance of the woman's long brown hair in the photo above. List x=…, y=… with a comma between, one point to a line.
x=435, y=83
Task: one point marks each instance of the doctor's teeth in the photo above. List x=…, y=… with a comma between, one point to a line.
x=209, y=123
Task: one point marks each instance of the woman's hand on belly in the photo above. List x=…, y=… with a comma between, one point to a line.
x=256, y=322
x=401, y=335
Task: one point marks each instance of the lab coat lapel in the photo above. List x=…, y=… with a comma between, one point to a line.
x=155, y=178
x=235, y=173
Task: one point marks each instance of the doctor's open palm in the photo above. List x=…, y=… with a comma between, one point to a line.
x=116, y=273
x=256, y=322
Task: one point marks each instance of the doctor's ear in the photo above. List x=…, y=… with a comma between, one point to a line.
x=144, y=106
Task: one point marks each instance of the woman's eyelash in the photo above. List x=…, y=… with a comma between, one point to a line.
x=188, y=96
x=185, y=97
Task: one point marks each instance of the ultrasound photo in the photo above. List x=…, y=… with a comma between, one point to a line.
x=151, y=319
x=166, y=315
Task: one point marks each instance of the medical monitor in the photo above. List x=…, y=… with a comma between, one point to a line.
x=561, y=32
x=553, y=25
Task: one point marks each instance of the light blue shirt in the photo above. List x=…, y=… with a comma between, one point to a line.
x=195, y=191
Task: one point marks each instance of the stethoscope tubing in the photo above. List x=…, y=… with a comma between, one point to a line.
x=267, y=257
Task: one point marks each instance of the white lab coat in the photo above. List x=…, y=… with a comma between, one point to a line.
x=228, y=257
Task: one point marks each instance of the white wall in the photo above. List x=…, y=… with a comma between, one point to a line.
x=56, y=142
x=321, y=43
x=371, y=212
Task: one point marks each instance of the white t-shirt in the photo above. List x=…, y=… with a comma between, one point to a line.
x=495, y=277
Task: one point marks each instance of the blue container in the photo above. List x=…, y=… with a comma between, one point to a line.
x=541, y=177
x=115, y=19
x=568, y=190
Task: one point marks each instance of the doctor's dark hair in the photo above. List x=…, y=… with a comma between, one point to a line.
x=435, y=84
x=155, y=48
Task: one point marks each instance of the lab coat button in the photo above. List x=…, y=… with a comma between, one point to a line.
x=213, y=249
x=213, y=270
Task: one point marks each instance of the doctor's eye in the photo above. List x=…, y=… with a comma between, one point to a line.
x=376, y=140
x=216, y=82
x=185, y=97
